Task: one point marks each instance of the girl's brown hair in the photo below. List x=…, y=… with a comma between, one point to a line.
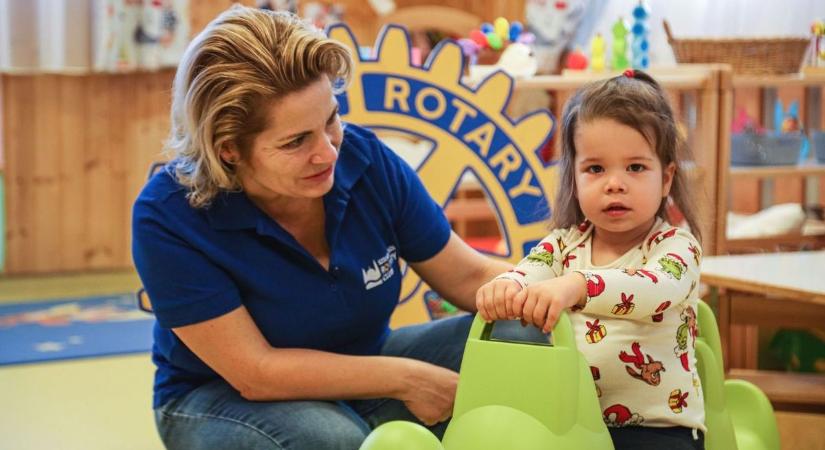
x=229, y=74
x=635, y=100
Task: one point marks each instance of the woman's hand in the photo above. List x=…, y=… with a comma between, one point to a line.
x=429, y=392
x=494, y=300
x=541, y=303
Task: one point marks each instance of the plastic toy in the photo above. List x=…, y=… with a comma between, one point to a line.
x=597, y=53
x=640, y=46
x=505, y=399
x=620, y=31
x=497, y=37
x=737, y=413
x=817, y=48
x=576, y=60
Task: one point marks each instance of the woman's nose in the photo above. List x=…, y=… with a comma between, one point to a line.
x=327, y=150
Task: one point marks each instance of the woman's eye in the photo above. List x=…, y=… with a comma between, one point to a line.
x=295, y=143
x=636, y=167
x=594, y=169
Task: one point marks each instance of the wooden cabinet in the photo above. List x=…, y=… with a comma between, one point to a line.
x=747, y=190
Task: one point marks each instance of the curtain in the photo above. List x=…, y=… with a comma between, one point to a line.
x=79, y=36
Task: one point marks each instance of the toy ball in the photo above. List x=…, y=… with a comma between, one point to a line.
x=576, y=61
x=468, y=46
x=502, y=28
x=494, y=40
x=526, y=38
x=487, y=27
x=479, y=38
x=515, y=30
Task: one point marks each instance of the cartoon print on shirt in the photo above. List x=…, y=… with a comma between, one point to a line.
x=596, y=377
x=560, y=243
x=673, y=264
x=567, y=258
x=619, y=415
x=625, y=307
x=660, y=311
x=659, y=236
x=595, y=332
x=642, y=273
x=697, y=254
x=685, y=330
x=542, y=254
x=595, y=285
x=649, y=371
x=677, y=400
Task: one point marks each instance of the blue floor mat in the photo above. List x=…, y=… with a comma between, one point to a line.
x=73, y=328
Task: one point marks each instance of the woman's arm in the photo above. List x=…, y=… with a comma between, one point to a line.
x=458, y=270
x=233, y=346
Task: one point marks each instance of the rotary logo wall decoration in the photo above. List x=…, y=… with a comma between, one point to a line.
x=470, y=131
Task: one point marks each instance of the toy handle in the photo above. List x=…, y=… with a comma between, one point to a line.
x=561, y=336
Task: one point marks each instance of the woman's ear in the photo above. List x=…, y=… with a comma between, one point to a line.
x=229, y=154
x=667, y=178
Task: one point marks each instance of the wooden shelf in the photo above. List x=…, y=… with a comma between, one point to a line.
x=693, y=79
x=798, y=391
x=777, y=171
x=769, y=81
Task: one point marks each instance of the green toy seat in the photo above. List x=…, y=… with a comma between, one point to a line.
x=514, y=395
x=738, y=415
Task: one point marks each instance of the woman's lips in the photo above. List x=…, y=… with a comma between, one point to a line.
x=320, y=175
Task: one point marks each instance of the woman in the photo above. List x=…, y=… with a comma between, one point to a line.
x=270, y=246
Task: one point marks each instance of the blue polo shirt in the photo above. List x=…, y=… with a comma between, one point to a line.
x=197, y=264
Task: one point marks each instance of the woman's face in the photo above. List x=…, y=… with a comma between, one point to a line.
x=295, y=157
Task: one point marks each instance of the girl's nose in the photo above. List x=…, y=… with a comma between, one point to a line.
x=615, y=184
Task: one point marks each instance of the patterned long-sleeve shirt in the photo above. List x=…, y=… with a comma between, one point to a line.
x=638, y=328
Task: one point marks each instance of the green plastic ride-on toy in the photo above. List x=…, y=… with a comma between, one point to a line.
x=527, y=396
x=506, y=396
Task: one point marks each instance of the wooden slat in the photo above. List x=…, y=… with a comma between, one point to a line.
x=73, y=200
x=788, y=390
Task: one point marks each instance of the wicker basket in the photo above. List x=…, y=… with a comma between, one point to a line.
x=760, y=56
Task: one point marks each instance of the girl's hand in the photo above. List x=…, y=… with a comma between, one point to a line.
x=429, y=392
x=494, y=300
x=541, y=303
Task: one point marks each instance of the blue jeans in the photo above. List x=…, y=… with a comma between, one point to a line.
x=215, y=416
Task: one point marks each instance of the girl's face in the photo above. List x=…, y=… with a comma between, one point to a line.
x=620, y=182
x=295, y=157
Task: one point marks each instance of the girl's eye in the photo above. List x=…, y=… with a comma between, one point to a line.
x=636, y=167
x=594, y=169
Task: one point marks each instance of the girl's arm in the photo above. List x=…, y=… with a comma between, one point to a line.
x=666, y=279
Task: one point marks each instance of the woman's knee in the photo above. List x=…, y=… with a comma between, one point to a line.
x=275, y=426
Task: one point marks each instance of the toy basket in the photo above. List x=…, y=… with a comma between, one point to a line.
x=751, y=149
x=755, y=56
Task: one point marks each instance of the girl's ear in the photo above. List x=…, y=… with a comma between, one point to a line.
x=667, y=178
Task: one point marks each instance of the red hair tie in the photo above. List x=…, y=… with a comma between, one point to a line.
x=629, y=73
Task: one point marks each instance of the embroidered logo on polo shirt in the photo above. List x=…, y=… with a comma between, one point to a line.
x=380, y=270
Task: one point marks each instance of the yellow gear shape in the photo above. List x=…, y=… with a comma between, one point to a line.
x=470, y=131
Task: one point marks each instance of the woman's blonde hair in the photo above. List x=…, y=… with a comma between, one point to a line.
x=229, y=75
x=638, y=102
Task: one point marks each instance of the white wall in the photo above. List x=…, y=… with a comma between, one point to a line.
x=703, y=19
